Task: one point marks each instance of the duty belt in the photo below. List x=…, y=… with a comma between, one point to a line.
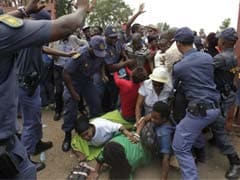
x=200, y=109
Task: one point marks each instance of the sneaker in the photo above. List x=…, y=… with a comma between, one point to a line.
x=57, y=116
x=42, y=146
x=233, y=172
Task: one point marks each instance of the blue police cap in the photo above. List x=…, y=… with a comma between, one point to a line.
x=111, y=31
x=43, y=14
x=228, y=34
x=184, y=34
x=98, y=45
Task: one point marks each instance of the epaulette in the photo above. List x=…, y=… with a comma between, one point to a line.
x=11, y=21
x=76, y=56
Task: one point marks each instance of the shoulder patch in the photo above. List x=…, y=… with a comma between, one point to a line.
x=76, y=56
x=11, y=21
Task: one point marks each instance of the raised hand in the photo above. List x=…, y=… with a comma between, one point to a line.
x=34, y=6
x=141, y=8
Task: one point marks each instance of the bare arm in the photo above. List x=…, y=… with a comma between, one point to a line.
x=139, y=106
x=121, y=64
x=55, y=52
x=133, y=18
x=32, y=7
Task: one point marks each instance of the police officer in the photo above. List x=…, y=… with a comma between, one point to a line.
x=115, y=59
x=225, y=64
x=17, y=34
x=77, y=75
x=195, y=71
x=30, y=69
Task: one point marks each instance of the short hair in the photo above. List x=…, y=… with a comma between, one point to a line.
x=152, y=38
x=162, y=108
x=139, y=74
x=212, y=40
x=135, y=27
x=82, y=124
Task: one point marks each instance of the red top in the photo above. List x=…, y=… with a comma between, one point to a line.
x=128, y=92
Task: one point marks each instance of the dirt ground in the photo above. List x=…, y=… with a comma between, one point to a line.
x=59, y=164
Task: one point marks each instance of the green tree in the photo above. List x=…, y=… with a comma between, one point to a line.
x=62, y=7
x=225, y=24
x=106, y=12
x=163, y=26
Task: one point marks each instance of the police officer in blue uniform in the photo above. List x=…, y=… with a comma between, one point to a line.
x=17, y=34
x=225, y=64
x=115, y=59
x=195, y=71
x=77, y=75
x=30, y=73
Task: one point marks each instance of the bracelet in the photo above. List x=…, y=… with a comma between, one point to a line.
x=23, y=11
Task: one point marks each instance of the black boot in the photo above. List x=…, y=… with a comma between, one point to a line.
x=39, y=165
x=66, y=145
x=57, y=116
x=42, y=146
x=199, y=154
x=234, y=170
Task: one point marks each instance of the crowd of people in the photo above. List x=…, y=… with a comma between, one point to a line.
x=132, y=92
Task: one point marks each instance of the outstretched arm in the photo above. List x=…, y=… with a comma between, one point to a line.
x=32, y=7
x=133, y=18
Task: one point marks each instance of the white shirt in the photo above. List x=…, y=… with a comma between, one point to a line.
x=104, y=131
x=151, y=97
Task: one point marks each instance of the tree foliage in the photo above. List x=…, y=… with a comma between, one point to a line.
x=163, y=26
x=61, y=7
x=225, y=24
x=106, y=12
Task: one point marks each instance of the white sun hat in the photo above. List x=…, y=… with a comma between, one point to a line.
x=160, y=74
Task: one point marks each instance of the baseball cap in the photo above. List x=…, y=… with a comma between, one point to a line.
x=43, y=14
x=184, y=34
x=160, y=74
x=98, y=45
x=111, y=31
x=228, y=34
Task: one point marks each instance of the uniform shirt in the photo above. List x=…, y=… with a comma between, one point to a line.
x=223, y=63
x=83, y=67
x=64, y=46
x=135, y=153
x=30, y=60
x=104, y=131
x=195, y=71
x=151, y=97
x=113, y=53
x=32, y=33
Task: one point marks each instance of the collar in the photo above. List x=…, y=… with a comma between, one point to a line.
x=193, y=50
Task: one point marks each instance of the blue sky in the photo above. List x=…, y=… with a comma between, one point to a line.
x=196, y=14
